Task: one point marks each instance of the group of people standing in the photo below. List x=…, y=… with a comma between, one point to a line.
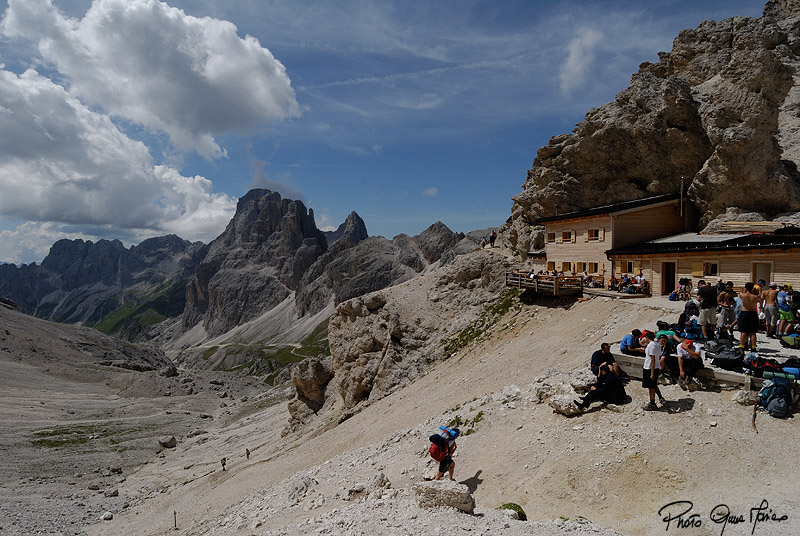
x=721, y=309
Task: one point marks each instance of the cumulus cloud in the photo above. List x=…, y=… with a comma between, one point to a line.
x=433, y=191
x=262, y=180
x=63, y=162
x=31, y=241
x=581, y=54
x=152, y=64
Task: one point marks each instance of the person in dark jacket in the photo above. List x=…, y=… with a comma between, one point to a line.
x=609, y=388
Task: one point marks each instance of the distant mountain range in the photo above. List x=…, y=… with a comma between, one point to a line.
x=269, y=269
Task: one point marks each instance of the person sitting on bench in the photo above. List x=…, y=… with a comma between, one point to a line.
x=609, y=388
x=629, y=345
x=689, y=362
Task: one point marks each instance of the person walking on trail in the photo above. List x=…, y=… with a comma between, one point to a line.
x=448, y=436
x=223, y=461
x=651, y=370
x=492, y=238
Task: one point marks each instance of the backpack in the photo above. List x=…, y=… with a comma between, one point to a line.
x=715, y=347
x=775, y=395
x=729, y=359
x=439, y=447
x=790, y=341
x=761, y=364
x=436, y=451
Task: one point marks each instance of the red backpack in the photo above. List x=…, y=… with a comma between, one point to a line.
x=439, y=447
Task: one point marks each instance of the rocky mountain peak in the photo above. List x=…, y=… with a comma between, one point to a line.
x=255, y=264
x=352, y=229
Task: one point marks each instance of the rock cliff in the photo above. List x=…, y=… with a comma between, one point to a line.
x=720, y=112
x=386, y=339
x=83, y=281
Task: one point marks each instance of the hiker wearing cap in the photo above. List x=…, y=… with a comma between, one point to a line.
x=689, y=362
x=629, y=345
x=449, y=436
x=720, y=286
x=652, y=368
x=769, y=305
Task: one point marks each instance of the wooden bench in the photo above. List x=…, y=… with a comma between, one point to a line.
x=633, y=365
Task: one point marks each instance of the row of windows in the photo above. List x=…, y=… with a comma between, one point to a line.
x=699, y=269
x=592, y=235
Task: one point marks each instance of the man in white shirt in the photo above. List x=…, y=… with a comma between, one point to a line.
x=652, y=368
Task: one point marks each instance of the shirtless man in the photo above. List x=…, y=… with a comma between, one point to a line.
x=748, y=318
x=770, y=308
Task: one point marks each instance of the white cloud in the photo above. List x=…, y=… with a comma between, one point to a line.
x=189, y=208
x=324, y=222
x=62, y=162
x=433, y=191
x=152, y=64
x=262, y=180
x=31, y=241
x=582, y=51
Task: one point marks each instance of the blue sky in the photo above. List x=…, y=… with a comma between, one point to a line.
x=136, y=118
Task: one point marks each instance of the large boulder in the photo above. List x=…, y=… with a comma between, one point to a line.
x=438, y=493
x=310, y=379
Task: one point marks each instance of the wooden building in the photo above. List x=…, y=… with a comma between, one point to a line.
x=578, y=241
x=771, y=253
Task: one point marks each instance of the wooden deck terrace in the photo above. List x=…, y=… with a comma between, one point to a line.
x=565, y=285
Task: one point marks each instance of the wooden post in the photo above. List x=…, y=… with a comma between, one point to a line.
x=175, y=516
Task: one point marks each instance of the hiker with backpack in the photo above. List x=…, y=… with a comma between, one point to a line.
x=443, y=445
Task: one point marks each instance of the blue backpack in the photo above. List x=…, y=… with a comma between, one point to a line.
x=775, y=395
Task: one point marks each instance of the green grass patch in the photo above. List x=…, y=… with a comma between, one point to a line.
x=480, y=328
x=63, y=436
x=517, y=508
x=140, y=310
x=210, y=351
